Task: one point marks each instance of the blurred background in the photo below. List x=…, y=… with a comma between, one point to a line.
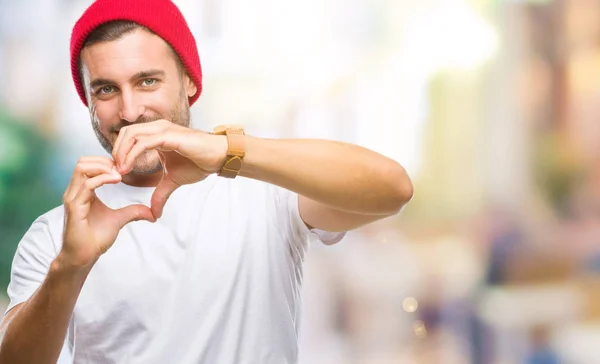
x=491, y=106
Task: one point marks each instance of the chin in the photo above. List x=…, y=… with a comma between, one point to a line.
x=146, y=170
x=147, y=165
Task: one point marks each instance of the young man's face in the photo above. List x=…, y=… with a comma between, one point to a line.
x=134, y=79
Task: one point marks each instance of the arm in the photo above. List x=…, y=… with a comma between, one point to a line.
x=34, y=331
x=340, y=186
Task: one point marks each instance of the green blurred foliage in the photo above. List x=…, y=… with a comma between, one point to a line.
x=25, y=189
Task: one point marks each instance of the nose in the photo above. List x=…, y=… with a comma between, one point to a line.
x=131, y=108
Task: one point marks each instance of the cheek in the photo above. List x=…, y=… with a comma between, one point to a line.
x=106, y=114
x=160, y=102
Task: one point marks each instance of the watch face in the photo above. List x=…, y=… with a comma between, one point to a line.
x=220, y=130
x=229, y=128
x=237, y=131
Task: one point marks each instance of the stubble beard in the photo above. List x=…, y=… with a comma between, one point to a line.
x=149, y=162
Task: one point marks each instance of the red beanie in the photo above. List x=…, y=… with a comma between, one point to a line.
x=161, y=16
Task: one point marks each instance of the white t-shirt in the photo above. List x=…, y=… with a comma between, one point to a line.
x=215, y=280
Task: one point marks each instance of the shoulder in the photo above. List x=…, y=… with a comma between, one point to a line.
x=45, y=232
x=56, y=215
x=53, y=219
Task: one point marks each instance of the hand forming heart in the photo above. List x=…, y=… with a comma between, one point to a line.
x=91, y=227
x=187, y=155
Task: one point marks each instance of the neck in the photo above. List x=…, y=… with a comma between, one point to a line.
x=146, y=180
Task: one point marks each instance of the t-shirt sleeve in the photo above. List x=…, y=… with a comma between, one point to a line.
x=296, y=229
x=31, y=262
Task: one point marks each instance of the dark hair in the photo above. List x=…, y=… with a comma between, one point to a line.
x=114, y=30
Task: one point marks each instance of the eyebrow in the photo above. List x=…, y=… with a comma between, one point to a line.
x=99, y=82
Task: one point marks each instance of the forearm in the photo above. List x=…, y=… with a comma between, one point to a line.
x=36, y=333
x=343, y=176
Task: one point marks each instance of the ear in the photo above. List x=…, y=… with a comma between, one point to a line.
x=190, y=87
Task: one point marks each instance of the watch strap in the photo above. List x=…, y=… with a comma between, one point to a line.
x=235, y=150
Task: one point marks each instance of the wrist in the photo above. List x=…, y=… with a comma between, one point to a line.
x=232, y=141
x=220, y=146
x=66, y=263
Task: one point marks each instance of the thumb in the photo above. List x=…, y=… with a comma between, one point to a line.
x=161, y=194
x=131, y=213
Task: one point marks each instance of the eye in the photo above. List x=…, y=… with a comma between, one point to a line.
x=106, y=90
x=149, y=82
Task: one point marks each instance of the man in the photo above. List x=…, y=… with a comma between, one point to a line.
x=210, y=272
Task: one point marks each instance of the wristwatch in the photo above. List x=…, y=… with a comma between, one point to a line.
x=235, y=149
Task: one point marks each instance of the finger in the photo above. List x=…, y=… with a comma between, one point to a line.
x=131, y=213
x=127, y=137
x=160, y=196
x=86, y=191
x=83, y=171
x=124, y=135
x=156, y=141
x=91, y=165
x=95, y=159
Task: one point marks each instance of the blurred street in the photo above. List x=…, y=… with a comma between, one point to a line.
x=492, y=106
